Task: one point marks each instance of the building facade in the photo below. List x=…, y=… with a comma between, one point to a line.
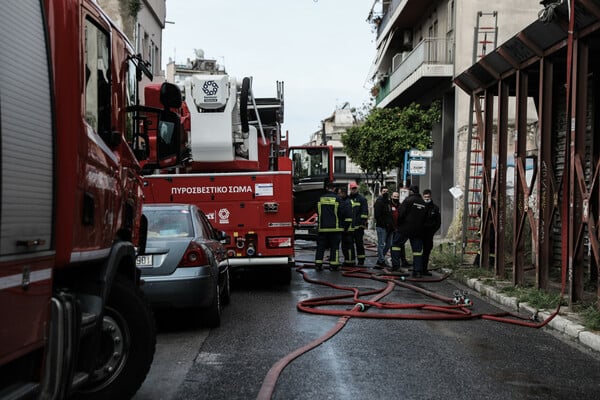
x=143, y=22
x=421, y=46
x=333, y=127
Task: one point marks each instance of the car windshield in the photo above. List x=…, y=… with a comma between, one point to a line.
x=169, y=223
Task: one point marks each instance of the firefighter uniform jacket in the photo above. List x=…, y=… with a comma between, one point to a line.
x=332, y=213
x=360, y=211
x=411, y=216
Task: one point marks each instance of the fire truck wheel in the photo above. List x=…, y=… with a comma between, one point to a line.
x=127, y=344
x=226, y=292
x=211, y=315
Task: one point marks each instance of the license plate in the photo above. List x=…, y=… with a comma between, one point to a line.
x=144, y=261
x=301, y=231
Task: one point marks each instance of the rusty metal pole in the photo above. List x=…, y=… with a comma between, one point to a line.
x=501, y=176
x=487, y=212
x=520, y=160
x=547, y=195
x=568, y=177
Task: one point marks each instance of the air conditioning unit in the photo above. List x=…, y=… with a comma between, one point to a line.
x=396, y=61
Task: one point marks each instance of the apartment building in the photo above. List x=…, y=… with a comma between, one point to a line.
x=333, y=127
x=421, y=46
x=143, y=22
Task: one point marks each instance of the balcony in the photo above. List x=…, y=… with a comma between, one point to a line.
x=432, y=58
x=400, y=14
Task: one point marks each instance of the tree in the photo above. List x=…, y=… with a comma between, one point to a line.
x=379, y=144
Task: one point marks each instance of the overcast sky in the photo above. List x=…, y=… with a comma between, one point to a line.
x=322, y=50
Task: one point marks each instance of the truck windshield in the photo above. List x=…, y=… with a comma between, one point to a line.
x=309, y=163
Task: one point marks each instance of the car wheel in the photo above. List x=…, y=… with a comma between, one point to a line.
x=226, y=293
x=212, y=314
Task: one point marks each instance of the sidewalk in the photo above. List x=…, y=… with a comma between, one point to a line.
x=565, y=322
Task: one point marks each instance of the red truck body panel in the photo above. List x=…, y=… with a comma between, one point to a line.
x=249, y=206
x=88, y=185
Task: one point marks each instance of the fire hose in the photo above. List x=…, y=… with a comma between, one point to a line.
x=455, y=308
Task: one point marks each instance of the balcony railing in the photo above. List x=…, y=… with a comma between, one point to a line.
x=388, y=15
x=438, y=51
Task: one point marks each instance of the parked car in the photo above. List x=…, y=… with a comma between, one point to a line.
x=185, y=264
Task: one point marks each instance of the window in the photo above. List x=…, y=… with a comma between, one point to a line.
x=131, y=98
x=339, y=165
x=451, y=16
x=208, y=230
x=97, y=74
x=169, y=224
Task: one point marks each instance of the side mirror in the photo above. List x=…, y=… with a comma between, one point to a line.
x=224, y=238
x=170, y=95
x=169, y=131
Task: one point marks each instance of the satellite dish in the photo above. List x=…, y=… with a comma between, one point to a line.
x=199, y=53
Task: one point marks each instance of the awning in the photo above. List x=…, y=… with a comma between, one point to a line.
x=380, y=54
x=528, y=46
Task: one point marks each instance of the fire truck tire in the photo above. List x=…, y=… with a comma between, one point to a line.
x=127, y=344
x=211, y=315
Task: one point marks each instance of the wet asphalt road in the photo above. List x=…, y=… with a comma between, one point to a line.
x=368, y=358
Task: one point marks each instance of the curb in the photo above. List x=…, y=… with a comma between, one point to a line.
x=562, y=323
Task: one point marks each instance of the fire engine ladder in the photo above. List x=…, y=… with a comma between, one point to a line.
x=485, y=39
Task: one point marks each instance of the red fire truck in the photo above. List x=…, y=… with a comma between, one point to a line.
x=241, y=172
x=73, y=319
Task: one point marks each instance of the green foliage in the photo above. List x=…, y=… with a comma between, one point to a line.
x=134, y=7
x=534, y=297
x=591, y=317
x=469, y=272
x=444, y=255
x=379, y=143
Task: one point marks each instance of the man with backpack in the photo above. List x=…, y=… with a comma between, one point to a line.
x=411, y=219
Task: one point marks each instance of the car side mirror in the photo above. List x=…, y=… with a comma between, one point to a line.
x=224, y=238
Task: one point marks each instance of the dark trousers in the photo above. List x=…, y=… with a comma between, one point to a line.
x=359, y=234
x=348, y=247
x=331, y=241
x=427, y=247
x=416, y=245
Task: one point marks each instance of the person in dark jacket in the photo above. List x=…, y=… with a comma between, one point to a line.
x=433, y=221
x=411, y=219
x=332, y=213
x=360, y=216
x=395, y=204
x=384, y=225
x=348, y=230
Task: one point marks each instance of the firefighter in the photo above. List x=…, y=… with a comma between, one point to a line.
x=360, y=216
x=411, y=218
x=332, y=213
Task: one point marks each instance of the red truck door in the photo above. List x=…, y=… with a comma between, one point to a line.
x=26, y=180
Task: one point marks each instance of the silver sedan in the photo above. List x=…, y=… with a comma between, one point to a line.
x=185, y=264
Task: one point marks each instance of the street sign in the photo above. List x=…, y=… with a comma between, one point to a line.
x=414, y=153
x=417, y=167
